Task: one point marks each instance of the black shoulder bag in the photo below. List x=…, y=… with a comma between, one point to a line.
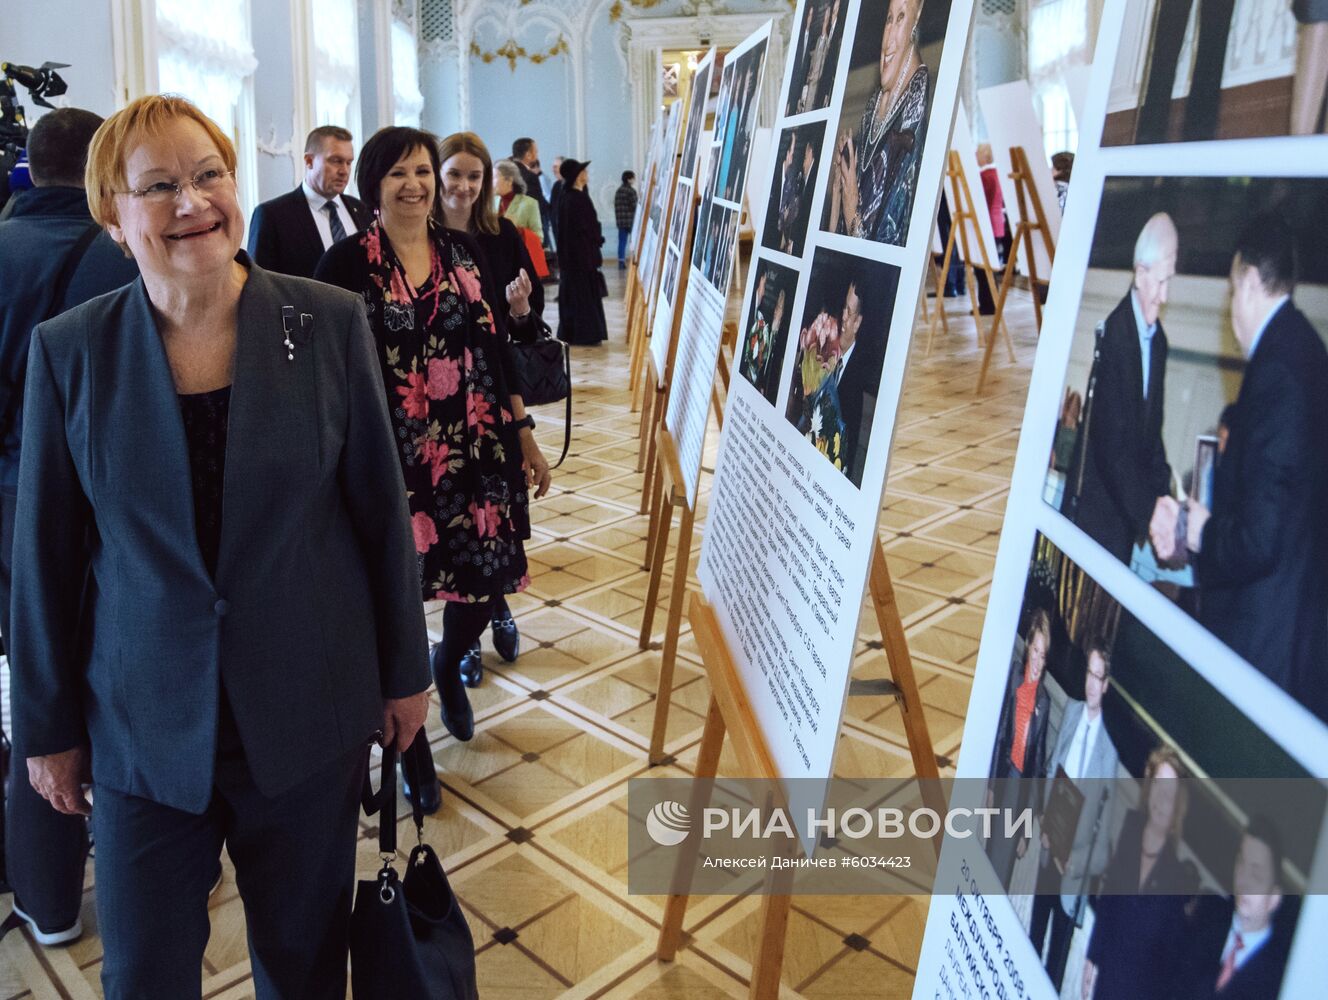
x=544, y=373
x=409, y=939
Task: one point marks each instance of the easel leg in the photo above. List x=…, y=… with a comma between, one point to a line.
x=768, y=961
x=669, y=659
x=646, y=432
x=656, y=554
x=998, y=316
x=651, y=450
x=707, y=766
x=940, y=289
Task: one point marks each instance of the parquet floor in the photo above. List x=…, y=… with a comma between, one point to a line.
x=534, y=829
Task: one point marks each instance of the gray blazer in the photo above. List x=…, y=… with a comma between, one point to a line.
x=1088, y=854
x=315, y=614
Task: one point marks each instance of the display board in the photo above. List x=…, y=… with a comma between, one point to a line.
x=680, y=214
x=664, y=168
x=714, y=250
x=1011, y=121
x=639, y=218
x=823, y=342
x=1162, y=572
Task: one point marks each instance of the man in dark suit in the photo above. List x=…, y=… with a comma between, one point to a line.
x=1203, y=101
x=1121, y=475
x=53, y=257
x=1085, y=752
x=858, y=377
x=1236, y=948
x=1262, y=552
x=289, y=234
x=525, y=154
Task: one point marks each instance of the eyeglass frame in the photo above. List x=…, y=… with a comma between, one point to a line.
x=146, y=193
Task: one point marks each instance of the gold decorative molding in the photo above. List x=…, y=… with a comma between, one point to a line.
x=616, y=11
x=513, y=52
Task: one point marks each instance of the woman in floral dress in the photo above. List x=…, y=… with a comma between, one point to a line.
x=463, y=438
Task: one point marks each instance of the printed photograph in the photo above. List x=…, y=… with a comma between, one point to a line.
x=1190, y=442
x=841, y=348
x=682, y=208
x=793, y=189
x=765, y=332
x=883, y=120
x=696, y=104
x=670, y=273
x=817, y=56
x=735, y=122
x=1188, y=71
x=1151, y=851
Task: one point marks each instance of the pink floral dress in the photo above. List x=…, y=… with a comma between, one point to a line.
x=446, y=368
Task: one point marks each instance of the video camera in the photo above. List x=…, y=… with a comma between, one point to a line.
x=41, y=83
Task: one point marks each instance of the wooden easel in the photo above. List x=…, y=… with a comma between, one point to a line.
x=963, y=214
x=730, y=713
x=1027, y=194
x=634, y=296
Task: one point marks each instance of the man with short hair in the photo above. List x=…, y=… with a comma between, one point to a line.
x=525, y=154
x=289, y=234
x=1261, y=553
x=624, y=213
x=53, y=257
x=1119, y=484
x=1085, y=753
x=1235, y=948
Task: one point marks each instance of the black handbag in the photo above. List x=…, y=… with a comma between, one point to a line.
x=409, y=939
x=544, y=374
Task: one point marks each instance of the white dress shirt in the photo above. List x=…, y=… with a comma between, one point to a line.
x=316, y=203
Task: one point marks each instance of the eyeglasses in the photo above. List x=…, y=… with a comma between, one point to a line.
x=162, y=192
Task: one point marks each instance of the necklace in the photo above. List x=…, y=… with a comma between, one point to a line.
x=878, y=122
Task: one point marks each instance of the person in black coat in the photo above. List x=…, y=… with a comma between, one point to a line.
x=1121, y=474
x=53, y=257
x=1020, y=758
x=1140, y=914
x=580, y=300
x=290, y=233
x=1262, y=552
x=1236, y=947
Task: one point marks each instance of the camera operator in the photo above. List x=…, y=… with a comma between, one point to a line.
x=53, y=257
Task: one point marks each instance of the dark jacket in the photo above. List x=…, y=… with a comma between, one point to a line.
x=504, y=255
x=314, y=615
x=624, y=206
x=1263, y=566
x=284, y=238
x=1201, y=946
x=35, y=243
x=1124, y=463
x=858, y=386
x=580, y=307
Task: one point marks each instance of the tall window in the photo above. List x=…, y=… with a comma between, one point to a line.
x=1058, y=38
x=211, y=62
x=336, y=64
x=407, y=100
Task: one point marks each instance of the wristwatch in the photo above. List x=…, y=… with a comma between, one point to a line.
x=526, y=421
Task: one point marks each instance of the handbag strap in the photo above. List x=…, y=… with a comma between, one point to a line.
x=384, y=803
x=567, y=418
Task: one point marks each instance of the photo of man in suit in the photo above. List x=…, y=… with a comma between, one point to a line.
x=1261, y=560
x=1203, y=101
x=289, y=234
x=1085, y=752
x=1120, y=476
x=1236, y=948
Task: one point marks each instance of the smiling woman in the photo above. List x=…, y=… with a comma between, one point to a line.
x=227, y=677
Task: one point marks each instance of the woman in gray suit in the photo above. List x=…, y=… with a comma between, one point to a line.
x=215, y=596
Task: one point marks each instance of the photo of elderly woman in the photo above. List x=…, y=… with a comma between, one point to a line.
x=841, y=348
x=883, y=125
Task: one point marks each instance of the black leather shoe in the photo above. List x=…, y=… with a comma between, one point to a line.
x=506, y=639
x=457, y=714
x=472, y=667
x=431, y=797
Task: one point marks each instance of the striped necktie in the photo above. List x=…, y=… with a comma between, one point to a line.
x=334, y=217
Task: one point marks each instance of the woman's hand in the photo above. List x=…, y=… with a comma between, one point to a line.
x=534, y=464
x=518, y=295
x=402, y=719
x=848, y=182
x=59, y=779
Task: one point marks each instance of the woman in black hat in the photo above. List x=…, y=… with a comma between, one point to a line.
x=580, y=284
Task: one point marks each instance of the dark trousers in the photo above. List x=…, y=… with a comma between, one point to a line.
x=294, y=859
x=43, y=850
x=1204, y=101
x=1047, y=907
x=463, y=624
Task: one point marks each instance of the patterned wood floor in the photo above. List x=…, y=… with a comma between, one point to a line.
x=534, y=827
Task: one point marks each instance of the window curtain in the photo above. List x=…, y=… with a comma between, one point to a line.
x=1058, y=39
x=336, y=63
x=408, y=102
x=207, y=60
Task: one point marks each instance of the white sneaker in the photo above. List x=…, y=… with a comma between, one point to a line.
x=48, y=938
